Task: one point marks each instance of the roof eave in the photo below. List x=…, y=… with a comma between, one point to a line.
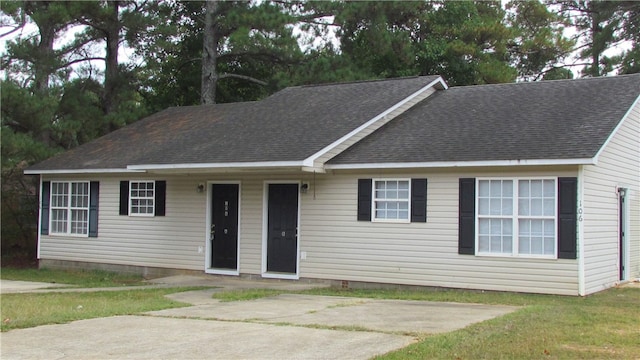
x=78, y=171
x=457, y=164
x=226, y=167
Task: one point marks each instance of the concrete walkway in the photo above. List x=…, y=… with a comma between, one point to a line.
x=287, y=326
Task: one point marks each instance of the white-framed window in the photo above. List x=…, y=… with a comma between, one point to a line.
x=141, y=198
x=517, y=217
x=391, y=200
x=69, y=208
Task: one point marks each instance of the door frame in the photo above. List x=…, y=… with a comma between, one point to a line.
x=265, y=231
x=207, y=263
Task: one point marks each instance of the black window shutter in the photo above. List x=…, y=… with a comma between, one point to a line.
x=364, y=199
x=567, y=217
x=94, y=192
x=418, y=200
x=467, y=216
x=160, y=197
x=44, y=211
x=124, y=197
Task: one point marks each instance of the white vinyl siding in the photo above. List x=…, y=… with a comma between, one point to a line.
x=339, y=247
x=336, y=245
x=170, y=241
x=618, y=166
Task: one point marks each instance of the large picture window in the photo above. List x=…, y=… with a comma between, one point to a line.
x=517, y=217
x=391, y=199
x=70, y=208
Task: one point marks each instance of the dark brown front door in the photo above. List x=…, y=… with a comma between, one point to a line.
x=282, y=237
x=224, y=226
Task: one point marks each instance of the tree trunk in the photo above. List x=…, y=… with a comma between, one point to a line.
x=209, y=54
x=112, y=37
x=43, y=63
x=45, y=53
x=595, y=38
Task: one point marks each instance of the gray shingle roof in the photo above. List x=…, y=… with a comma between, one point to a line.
x=565, y=119
x=290, y=125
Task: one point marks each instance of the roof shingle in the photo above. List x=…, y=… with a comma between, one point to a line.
x=563, y=119
x=290, y=125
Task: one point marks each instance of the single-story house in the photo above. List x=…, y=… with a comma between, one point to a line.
x=527, y=187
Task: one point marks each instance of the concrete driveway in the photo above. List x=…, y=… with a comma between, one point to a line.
x=281, y=327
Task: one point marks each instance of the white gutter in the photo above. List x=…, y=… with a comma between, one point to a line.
x=79, y=171
x=444, y=164
x=204, y=166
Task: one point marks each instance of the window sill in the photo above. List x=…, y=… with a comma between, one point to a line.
x=518, y=256
x=68, y=235
x=391, y=221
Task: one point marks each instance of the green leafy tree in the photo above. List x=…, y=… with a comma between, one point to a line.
x=466, y=42
x=601, y=27
x=219, y=51
x=51, y=102
x=25, y=116
x=113, y=24
x=539, y=46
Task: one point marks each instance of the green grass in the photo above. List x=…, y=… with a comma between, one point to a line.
x=589, y=329
x=445, y=295
x=29, y=310
x=603, y=325
x=247, y=294
x=80, y=278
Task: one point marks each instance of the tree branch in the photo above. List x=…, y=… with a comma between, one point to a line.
x=253, y=54
x=243, y=77
x=69, y=63
x=12, y=31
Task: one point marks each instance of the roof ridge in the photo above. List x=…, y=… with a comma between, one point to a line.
x=585, y=79
x=360, y=81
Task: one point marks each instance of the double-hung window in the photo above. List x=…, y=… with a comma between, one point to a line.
x=70, y=208
x=517, y=217
x=141, y=198
x=391, y=200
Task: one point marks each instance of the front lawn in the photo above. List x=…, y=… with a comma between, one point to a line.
x=605, y=325
x=29, y=310
x=79, y=278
